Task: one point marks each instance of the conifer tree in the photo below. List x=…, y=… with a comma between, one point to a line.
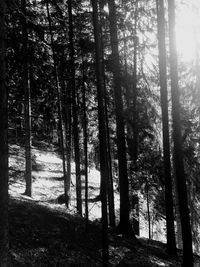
x=102, y=129
x=74, y=110
x=124, y=225
x=3, y=144
x=27, y=101
x=177, y=138
x=171, y=241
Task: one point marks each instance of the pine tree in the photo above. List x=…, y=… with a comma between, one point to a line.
x=74, y=110
x=171, y=241
x=102, y=129
x=3, y=144
x=59, y=104
x=124, y=225
x=178, y=153
x=27, y=102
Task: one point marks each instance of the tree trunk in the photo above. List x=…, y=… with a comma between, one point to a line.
x=68, y=146
x=102, y=130
x=3, y=144
x=60, y=126
x=148, y=209
x=111, y=203
x=171, y=240
x=66, y=92
x=135, y=115
x=124, y=225
x=178, y=154
x=85, y=137
x=74, y=111
x=27, y=103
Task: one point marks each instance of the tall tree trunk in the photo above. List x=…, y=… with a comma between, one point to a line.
x=124, y=225
x=111, y=203
x=178, y=154
x=135, y=112
x=171, y=240
x=66, y=91
x=27, y=103
x=74, y=110
x=148, y=209
x=102, y=130
x=3, y=144
x=85, y=137
x=60, y=126
x=68, y=143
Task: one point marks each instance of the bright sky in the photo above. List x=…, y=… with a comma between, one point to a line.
x=188, y=29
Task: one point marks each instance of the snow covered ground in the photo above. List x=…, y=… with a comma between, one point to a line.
x=48, y=184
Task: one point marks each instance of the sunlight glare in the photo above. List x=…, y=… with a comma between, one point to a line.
x=188, y=30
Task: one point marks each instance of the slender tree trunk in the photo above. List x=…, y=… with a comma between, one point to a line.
x=27, y=103
x=148, y=209
x=68, y=146
x=74, y=111
x=171, y=240
x=111, y=204
x=85, y=137
x=60, y=126
x=178, y=154
x=135, y=112
x=102, y=130
x=124, y=225
x=66, y=91
x=3, y=144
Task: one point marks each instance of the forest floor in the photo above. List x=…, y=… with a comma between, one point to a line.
x=44, y=233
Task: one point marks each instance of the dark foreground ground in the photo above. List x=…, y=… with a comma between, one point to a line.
x=43, y=233
x=43, y=236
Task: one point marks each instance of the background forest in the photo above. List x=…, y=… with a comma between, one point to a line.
x=112, y=89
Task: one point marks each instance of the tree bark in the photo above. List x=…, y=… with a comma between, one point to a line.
x=102, y=130
x=148, y=209
x=85, y=144
x=27, y=103
x=111, y=203
x=4, y=248
x=66, y=92
x=135, y=112
x=60, y=126
x=178, y=154
x=171, y=240
x=124, y=225
x=74, y=111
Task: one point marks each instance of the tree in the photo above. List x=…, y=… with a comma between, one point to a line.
x=171, y=241
x=177, y=139
x=3, y=144
x=124, y=225
x=85, y=144
x=102, y=130
x=74, y=110
x=27, y=102
x=111, y=204
x=59, y=104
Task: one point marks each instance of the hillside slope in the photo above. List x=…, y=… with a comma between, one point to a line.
x=44, y=233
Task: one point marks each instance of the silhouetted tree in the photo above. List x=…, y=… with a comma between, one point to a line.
x=102, y=129
x=3, y=143
x=177, y=138
x=74, y=110
x=124, y=224
x=171, y=240
x=27, y=101
x=59, y=105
